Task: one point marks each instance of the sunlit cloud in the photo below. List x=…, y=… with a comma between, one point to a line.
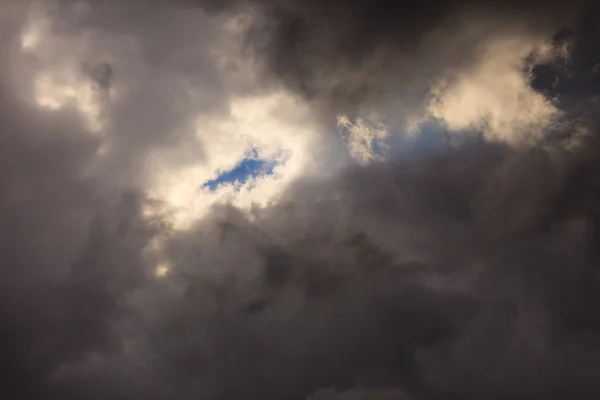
x=365, y=141
x=162, y=270
x=276, y=128
x=494, y=96
x=63, y=81
x=71, y=89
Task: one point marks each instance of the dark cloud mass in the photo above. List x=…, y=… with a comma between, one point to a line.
x=460, y=267
x=346, y=54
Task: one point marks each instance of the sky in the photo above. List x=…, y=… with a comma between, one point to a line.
x=249, y=168
x=299, y=200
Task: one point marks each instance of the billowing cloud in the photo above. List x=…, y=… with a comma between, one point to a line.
x=495, y=96
x=365, y=143
x=427, y=226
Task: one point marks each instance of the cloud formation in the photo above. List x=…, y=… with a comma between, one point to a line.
x=430, y=230
x=358, y=394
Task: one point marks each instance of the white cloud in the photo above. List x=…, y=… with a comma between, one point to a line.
x=277, y=126
x=365, y=140
x=60, y=81
x=218, y=107
x=494, y=95
x=68, y=87
x=216, y=116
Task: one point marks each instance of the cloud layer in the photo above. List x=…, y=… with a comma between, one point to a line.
x=430, y=230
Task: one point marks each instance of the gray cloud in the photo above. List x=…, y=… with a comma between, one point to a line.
x=365, y=53
x=358, y=394
x=461, y=268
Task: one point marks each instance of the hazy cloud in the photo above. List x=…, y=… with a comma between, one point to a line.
x=430, y=229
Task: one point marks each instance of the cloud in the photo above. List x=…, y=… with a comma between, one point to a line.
x=365, y=143
x=274, y=126
x=410, y=243
x=358, y=394
x=357, y=57
x=495, y=96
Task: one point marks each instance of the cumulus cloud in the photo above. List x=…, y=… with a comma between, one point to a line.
x=365, y=143
x=495, y=96
x=429, y=229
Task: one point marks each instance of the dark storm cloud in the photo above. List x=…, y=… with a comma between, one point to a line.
x=358, y=394
x=362, y=52
x=466, y=271
x=577, y=76
x=468, y=274
x=55, y=302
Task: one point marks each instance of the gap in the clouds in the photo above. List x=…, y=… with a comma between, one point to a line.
x=431, y=139
x=250, y=167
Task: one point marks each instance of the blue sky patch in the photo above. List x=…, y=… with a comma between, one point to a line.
x=248, y=168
